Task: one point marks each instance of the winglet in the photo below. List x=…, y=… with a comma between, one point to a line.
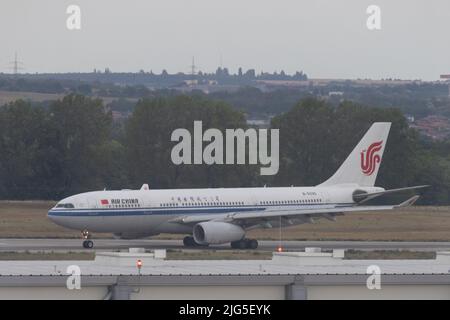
x=408, y=202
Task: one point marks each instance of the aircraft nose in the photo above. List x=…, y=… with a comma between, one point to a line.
x=50, y=215
x=56, y=218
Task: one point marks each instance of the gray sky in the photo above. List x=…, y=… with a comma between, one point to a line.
x=325, y=38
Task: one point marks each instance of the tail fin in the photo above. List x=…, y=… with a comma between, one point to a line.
x=361, y=166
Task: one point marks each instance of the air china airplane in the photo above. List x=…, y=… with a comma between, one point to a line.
x=218, y=216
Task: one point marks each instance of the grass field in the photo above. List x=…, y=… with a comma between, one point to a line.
x=417, y=223
x=219, y=255
x=28, y=219
x=49, y=256
x=9, y=96
x=264, y=255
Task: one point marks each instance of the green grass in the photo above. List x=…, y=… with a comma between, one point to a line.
x=218, y=255
x=173, y=254
x=388, y=255
x=46, y=256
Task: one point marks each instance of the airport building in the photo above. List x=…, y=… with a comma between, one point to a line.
x=311, y=274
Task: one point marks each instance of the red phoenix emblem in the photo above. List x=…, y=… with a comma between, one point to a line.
x=370, y=158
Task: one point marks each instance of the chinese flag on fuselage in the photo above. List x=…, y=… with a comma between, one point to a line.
x=103, y=202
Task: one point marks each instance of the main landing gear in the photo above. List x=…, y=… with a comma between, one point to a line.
x=245, y=244
x=87, y=244
x=241, y=244
x=189, y=241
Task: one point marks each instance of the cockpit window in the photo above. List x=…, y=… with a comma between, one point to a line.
x=65, y=205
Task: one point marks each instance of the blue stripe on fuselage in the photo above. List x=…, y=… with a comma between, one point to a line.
x=161, y=211
x=144, y=211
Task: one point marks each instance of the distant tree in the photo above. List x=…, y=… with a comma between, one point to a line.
x=22, y=151
x=306, y=143
x=78, y=130
x=315, y=138
x=148, y=134
x=84, y=89
x=250, y=74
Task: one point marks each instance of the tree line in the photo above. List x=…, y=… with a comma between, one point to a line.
x=56, y=83
x=72, y=145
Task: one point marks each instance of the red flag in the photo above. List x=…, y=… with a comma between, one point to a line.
x=103, y=202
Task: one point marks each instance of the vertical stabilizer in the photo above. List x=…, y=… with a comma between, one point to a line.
x=361, y=166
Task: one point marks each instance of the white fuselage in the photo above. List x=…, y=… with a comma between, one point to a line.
x=139, y=213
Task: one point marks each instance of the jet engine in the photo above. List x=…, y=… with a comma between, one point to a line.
x=212, y=232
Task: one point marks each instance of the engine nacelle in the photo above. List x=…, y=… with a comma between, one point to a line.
x=358, y=195
x=361, y=194
x=217, y=232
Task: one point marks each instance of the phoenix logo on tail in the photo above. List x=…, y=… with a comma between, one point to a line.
x=370, y=158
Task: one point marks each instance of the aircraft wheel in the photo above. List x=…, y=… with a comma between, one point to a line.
x=244, y=244
x=252, y=244
x=88, y=244
x=189, y=242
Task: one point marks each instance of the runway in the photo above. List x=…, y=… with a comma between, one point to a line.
x=10, y=245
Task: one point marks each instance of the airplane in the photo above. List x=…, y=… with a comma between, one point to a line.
x=223, y=215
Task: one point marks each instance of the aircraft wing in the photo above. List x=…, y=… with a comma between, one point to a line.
x=271, y=214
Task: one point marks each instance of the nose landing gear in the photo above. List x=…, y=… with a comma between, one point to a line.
x=87, y=243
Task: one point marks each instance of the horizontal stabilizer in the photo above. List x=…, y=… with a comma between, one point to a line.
x=369, y=196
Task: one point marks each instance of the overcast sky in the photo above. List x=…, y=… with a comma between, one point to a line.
x=325, y=38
